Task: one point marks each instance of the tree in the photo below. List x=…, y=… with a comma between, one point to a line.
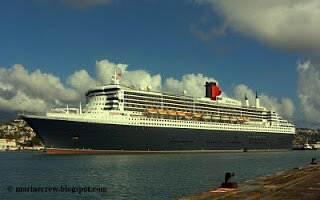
x=35, y=141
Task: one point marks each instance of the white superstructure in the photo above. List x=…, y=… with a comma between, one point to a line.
x=118, y=104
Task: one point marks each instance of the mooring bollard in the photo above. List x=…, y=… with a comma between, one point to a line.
x=313, y=162
x=227, y=183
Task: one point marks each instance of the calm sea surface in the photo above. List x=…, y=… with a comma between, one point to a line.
x=160, y=176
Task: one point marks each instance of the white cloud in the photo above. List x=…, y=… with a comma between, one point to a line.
x=287, y=24
x=38, y=91
x=290, y=25
x=22, y=102
x=192, y=83
x=105, y=69
x=47, y=91
x=287, y=108
x=134, y=78
x=239, y=92
x=81, y=81
x=21, y=90
x=284, y=106
x=309, y=91
x=142, y=79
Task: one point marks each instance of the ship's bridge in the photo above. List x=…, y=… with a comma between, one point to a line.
x=103, y=98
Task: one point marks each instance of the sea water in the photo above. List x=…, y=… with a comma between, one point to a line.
x=140, y=176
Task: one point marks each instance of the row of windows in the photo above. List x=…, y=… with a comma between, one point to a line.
x=146, y=105
x=165, y=96
x=100, y=90
x=155, y=102
x=182, y=124
x=99, y=98
x=181, y=141
x=197, y=124
x=145, y=95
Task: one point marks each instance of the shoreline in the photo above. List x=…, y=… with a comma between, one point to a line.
x=52, y=151
x=90, y=151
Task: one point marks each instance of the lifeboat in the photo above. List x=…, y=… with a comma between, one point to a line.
x=206, y=117
x=171, y=112
x=180, y=113
x=152, y=111
x=216, y=117
x=225, y=118
x=240, y=118
x=246, y=118
x=188, y=115
x=197, y=114
x=162, y=112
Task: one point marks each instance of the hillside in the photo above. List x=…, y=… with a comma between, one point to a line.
x=306, y=136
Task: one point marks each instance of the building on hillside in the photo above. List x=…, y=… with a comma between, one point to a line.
x=316, y=145
x=8, y=144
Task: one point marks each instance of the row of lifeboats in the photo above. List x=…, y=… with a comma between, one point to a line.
x=196, y=115
x=173, y=113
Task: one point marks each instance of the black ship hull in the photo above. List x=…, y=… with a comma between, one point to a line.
x=63, y=134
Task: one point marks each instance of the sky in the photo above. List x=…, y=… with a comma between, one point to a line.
x=52, y=51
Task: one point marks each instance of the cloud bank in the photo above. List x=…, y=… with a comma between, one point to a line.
x=292, y=25
x=36, y=91
x=133, y=78
x=192, y=83
x=284, y=106
x=309, y=91
x=21, y=90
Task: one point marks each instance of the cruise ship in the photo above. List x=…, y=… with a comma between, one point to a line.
x=122, y=119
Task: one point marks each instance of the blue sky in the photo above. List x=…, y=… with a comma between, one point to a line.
x=155, y=36
x=150, y=35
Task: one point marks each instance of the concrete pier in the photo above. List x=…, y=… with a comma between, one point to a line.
x=296, y=184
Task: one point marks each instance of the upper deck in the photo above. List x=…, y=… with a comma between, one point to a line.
x=123, y=98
